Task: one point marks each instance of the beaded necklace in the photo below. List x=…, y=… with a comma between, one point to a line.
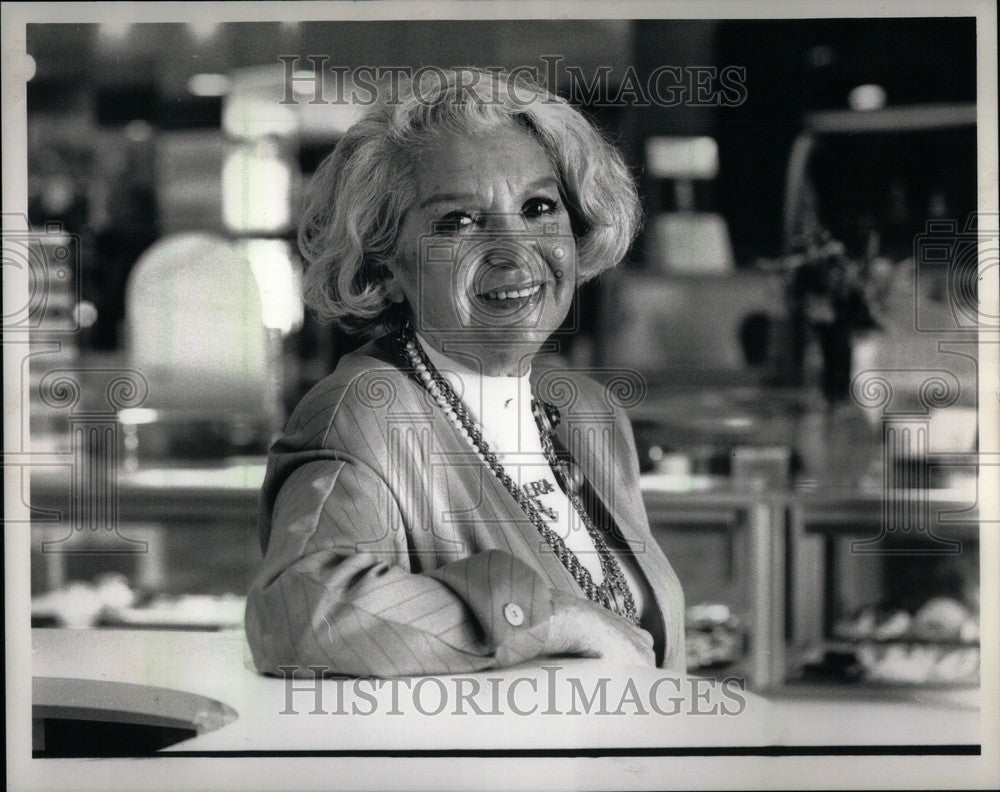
x=613, y=592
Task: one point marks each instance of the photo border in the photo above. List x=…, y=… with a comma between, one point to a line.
x=868, y=766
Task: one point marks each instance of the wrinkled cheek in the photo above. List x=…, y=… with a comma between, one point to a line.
x=431, y=289
x=564, y=266
x=461, y=312
x=458, y=292
x=565, y=269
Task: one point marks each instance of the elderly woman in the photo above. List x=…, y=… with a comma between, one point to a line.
x=438, y=504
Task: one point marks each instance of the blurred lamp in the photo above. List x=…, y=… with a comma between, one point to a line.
x=194, y=319
x=669, y=157
x=114, y=31
x=85, y=314
x=202, y=31
x=208, y=85
x=864, y=98
x=256, y=189
x=133, y=416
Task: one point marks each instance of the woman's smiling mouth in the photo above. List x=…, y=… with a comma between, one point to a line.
x=511, y=293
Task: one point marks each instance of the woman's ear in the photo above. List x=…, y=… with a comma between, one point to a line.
x=393, y=291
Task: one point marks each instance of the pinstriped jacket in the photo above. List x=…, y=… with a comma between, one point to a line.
x=391, y=550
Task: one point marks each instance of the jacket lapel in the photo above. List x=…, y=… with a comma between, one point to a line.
x=598, y=444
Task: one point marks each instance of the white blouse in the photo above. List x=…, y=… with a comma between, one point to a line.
x=502, y=407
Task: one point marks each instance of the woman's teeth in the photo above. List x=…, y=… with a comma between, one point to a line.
x=513, y=294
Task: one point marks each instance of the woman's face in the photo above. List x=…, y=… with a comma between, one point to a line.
x=487, y=258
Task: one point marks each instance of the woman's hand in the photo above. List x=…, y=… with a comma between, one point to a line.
x=584, y=628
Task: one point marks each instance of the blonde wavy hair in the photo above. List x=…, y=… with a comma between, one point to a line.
x=354, y=204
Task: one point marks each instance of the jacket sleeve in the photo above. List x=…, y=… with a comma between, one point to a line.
x=336, y=589
x=675, y=652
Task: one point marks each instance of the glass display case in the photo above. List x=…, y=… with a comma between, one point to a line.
x=874, y=606
x=808, y=590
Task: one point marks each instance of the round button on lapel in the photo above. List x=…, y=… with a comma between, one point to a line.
x=513, y=614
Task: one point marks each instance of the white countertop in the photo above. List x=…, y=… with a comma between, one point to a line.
x=216, y=665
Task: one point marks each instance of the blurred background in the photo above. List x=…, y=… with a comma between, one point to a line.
x=815, y=225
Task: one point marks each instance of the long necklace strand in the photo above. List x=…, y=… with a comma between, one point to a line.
x=613, y=592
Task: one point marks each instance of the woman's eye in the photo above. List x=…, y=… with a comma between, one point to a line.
x=454, y=222
x=537, y=207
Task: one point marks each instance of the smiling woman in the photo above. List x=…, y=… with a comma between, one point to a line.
x=429, y=510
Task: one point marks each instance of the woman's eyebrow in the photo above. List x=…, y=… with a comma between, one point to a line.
x=544, y=181
x=443, y=197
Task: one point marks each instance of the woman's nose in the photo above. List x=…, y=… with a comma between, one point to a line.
x=509, y=245
x=505, y=254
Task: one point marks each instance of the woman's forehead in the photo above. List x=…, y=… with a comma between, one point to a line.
x=471, y=162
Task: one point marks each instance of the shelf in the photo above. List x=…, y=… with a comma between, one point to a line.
x=834, y=642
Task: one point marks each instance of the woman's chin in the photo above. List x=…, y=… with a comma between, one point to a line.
x=495, y=351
